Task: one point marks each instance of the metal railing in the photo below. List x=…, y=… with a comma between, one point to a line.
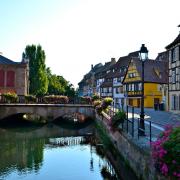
x=131, y=125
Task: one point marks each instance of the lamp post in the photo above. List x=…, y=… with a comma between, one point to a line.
x=143, y=57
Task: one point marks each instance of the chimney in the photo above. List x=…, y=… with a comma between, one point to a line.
x=113, y=60
x=92, y=67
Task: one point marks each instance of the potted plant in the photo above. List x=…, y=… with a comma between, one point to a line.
x=118, y=118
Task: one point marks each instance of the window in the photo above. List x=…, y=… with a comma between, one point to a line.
x=132, y=87
x=173, y=102
x=173, y=55
x=173, y=77
x=10, y=79
x=136, y=87
x=110, y=89
x=2, y=77
x=118, y=79
x=117, y=90
x=132, y=75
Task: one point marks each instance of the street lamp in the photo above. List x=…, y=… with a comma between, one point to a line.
x=143, y=57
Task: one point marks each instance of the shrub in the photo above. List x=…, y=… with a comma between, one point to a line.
x=30, y=99
x=86, y=100
x=166, y=152
x=95, y=97
x=118, y=118
x=106, y=102
x=10, y=97
x=99, y=109
x=97, y=103
x=56, y=99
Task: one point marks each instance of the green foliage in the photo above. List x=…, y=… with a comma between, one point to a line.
x=56, y=99
x=95, y=97
x=99, y=109
x=37, y=69
x=30, y=99
x=58, y=85
x=97, y=103
x=10, y=97
x=86, y=100
x=166, y=151
x=107, y=102
x=118, y=118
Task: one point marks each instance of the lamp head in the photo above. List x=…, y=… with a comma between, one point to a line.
x=143, y=52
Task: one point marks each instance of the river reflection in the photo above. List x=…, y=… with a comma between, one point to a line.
x=51, y=152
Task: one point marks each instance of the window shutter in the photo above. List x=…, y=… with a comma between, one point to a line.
x=2, y=78
x=10, y=79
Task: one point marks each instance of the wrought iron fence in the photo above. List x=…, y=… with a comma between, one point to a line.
x=131, y=125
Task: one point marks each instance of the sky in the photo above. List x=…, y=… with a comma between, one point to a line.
x=77, y=33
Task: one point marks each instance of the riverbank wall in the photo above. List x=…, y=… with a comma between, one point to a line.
x=137, y=158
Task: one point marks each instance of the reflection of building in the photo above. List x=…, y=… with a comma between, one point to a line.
x=155, y=78
x=174, y=74
x=13, y=76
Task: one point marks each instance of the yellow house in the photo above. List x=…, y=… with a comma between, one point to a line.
x=155, y=77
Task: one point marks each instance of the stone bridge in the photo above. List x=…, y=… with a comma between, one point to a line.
x=49, y=112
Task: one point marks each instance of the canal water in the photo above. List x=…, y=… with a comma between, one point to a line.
x=52, y=152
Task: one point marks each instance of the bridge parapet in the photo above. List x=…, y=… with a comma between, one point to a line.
x=49, y=112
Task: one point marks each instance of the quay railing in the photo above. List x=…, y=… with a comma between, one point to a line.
x=132, y=127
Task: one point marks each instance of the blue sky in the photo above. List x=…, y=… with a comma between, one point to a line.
x=78, y=33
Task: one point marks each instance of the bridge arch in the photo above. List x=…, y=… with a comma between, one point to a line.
x=46, y=111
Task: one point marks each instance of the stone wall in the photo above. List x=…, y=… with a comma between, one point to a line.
x=21, y=78
x=138, y=159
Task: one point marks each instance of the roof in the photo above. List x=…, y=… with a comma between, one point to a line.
x=154, y=71
x=101, y=72
x=122, y=63
x=162, y=56
x=176, y=41
x=4, y=60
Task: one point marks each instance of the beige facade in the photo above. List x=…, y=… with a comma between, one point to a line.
x=13, y=76
x=174, y=75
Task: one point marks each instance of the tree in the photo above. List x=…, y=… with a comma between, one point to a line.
x=58, y=85
x=37, y=69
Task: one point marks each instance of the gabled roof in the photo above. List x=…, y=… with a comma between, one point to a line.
x=154, y=71
x=101, y=72
x=123, y=62
x=163, y=56
x=176, y=41
x=4, y=60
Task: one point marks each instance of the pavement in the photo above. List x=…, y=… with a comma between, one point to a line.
x=159, y=120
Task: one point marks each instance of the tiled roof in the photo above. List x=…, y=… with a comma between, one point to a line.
x=176, y=41
x=154, y=71
x=163, y=56
x=123, y=62
x=4, y=60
